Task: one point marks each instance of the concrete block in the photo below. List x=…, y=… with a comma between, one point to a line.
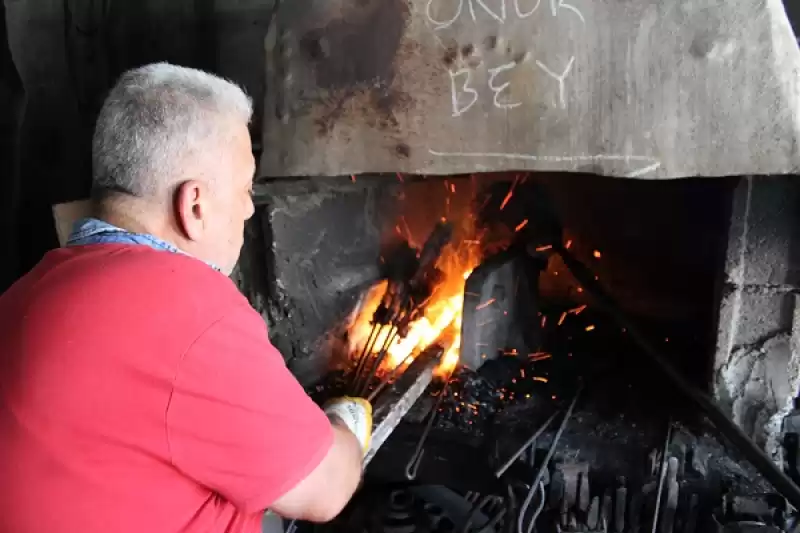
x=757, y=370
x=748, y=316
x=764, y=235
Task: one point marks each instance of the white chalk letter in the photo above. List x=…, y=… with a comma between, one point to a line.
x=442, y=24
x=498, y=89
x=555, y=5
x=458, y=108
x=499, y=17
x=527, y=14
x=558, y=78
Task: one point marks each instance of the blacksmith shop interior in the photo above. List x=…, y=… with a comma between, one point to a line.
x=556, y=243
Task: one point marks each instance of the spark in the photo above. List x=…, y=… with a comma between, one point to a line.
x=540, y=378
x=510, y=193
x=544, y=248
x=353, y=178
x=507, y=198
x=563, y=318
x=590, y=328
x=578, y=310
x=406, y=229
x=544, y=320
x=453, y=188
x=597, y=254
x=400, y=177
x=485, y=304
x=568, y=245
x=521, y=225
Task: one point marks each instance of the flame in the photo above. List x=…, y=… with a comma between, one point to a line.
x=441, y=318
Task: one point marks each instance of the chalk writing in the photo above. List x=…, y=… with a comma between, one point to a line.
x=555, y=5
x=498, y=13
x=442, y=24
x=559, y=78
x=459, y=108
x=498, y=89
x=651, y=163
x=463, y=95
x=526, y=14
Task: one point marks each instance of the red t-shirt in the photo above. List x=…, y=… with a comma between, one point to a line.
x=140, y=393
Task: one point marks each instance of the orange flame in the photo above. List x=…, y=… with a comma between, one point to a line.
x=441, y=319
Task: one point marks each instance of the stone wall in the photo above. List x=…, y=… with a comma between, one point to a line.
x=756, y=369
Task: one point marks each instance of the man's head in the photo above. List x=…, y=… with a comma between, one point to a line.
x=171, y=156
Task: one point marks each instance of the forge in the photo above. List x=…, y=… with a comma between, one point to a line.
x=496, y=220
x=358, y=276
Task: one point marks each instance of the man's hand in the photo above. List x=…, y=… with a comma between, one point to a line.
x=355, y=414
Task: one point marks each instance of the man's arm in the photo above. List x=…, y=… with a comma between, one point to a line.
x=322, y=495
x=239, y=423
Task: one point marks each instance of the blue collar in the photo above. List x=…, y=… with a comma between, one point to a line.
x=95, y=231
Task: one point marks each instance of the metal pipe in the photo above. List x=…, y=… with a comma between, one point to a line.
x=725, y=425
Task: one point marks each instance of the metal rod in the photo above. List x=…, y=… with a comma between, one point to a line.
x=725, y=425
x=388, y=378
x=376, y=365
x=502, y=470
x=416, y=458
x=540, y=472
x=373, y=336
x=662, y=476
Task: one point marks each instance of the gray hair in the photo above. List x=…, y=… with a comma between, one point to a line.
x=157, y=118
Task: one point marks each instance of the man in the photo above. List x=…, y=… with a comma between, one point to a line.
x=138, y=390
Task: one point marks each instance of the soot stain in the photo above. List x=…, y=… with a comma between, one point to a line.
x=355, y=54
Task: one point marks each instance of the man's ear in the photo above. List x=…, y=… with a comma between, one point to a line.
x=191, y=198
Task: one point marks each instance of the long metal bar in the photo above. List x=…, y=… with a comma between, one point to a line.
x=394, y=404
x=416, y=458
x=662, y=476
x=374, y=333
x=379, y=357
x=502, y=470
x=725, y=425
x=389, y=377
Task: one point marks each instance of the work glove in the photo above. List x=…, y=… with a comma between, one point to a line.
x=356, y=414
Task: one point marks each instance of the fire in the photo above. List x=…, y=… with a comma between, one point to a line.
x=441, y=319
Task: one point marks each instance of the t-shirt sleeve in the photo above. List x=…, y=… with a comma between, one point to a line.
x=238, y=422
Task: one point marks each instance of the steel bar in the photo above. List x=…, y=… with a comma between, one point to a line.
x=724, y=425
x=374, y=333
x=389, y=377
x=416, y=458
x=662, y=476
x=537, y=479
x=502, y=470
x=393, y=405
x=379, y=357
